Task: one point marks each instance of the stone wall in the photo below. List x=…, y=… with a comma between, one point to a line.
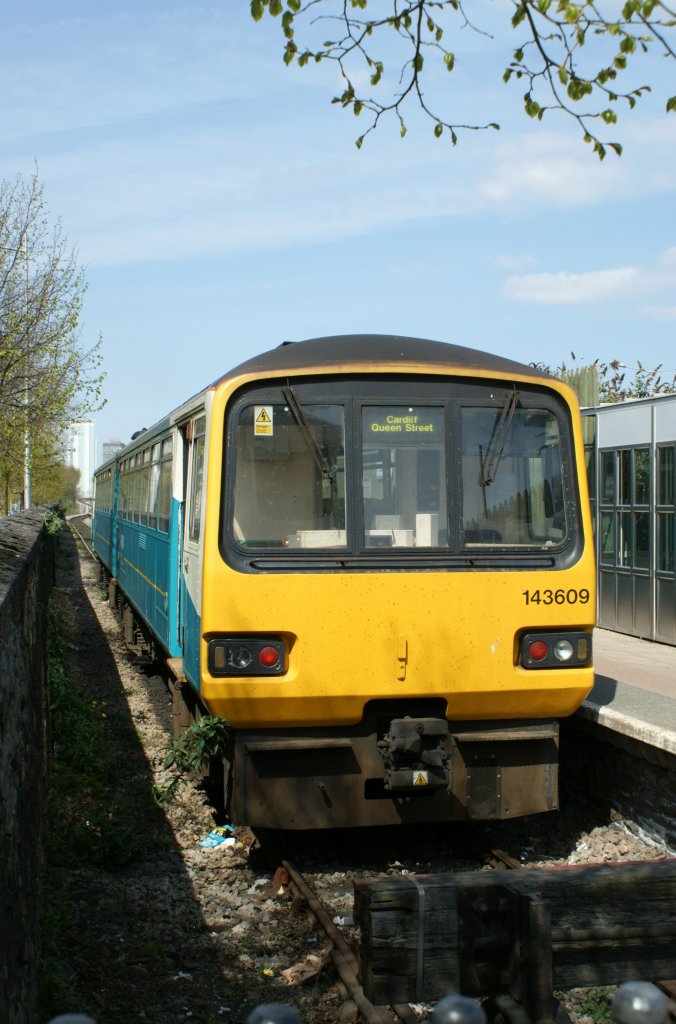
x=624, y=775
x=26, y=577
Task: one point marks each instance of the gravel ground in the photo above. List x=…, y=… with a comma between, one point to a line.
x=151, y=926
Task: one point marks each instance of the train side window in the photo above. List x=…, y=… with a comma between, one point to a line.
x=196, y=480
x=154, y=488
x=163, y=506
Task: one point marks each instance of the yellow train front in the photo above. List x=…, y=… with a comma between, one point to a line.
x=397, y=594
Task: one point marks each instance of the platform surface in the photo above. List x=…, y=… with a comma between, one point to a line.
x=635, y=688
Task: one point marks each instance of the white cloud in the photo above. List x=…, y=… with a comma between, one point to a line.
x=660, y=312
x=575, y=288
x=515, y=262
x=571, y=289
x=557, y=169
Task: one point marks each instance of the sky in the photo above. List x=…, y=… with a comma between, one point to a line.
x=219, y=205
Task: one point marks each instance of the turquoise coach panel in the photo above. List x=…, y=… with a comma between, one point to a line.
x=147, y=576
x=102, y=538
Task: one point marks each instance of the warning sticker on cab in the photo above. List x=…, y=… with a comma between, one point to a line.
x=263, y=420
x=421, y=779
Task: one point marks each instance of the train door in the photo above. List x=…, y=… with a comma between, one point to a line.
x=190, y=600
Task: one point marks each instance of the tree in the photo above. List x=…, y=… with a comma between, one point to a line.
x=598, y=383
x=57, y=483
x=569, y=53
x=46, y=379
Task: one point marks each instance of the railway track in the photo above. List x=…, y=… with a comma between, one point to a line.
x=537, y=990
x=343, y=956
x=81, y=527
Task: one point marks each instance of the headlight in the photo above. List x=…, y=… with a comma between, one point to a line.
x=563, y=650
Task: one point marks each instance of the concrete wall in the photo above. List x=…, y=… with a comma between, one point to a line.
x=26, y=576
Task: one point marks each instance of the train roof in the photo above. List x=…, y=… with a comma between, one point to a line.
x=334, y=351
x=337, y=350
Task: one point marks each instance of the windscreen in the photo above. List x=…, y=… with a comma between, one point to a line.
x=349, y=471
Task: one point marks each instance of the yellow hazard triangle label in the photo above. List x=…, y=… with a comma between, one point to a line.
x=421, y=779
x=262, y=420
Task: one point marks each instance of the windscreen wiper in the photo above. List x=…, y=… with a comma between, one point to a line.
x=296, y=408
x=491, y=460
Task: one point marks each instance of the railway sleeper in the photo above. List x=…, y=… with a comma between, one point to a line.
x=517, y=939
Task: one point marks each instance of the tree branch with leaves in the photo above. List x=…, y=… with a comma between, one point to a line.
x=571, y=55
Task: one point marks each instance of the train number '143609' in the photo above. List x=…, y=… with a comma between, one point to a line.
x=560, y=596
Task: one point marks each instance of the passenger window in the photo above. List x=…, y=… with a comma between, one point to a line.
x=196, y=480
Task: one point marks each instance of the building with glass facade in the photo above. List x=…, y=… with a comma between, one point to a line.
x=631, y=461
x=81, y=453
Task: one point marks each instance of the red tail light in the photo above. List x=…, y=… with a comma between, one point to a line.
x=537, y=650
x=268, y=657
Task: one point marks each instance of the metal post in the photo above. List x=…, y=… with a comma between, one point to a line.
x=27, y=496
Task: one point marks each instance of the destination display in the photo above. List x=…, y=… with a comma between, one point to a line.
x=402, y=424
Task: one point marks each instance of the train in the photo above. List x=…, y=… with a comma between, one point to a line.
x=372, y=556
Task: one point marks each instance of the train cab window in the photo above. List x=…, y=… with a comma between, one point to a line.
x=289, y=489
x=512, y=478
x=404, y=476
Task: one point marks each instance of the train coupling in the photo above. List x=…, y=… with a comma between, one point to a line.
x=415, y=753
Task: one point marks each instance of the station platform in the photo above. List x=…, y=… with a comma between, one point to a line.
x=635, y=689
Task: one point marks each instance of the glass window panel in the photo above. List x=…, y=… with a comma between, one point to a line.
x=154, y=493
x=608, y=477
x=642, y=540
x=624, y=476
x=290, y=476
x=197, y=477
x=133, y=495
x=665, y=489
x=142, y=496
x=512, y=478
x=404, y=476
x=607, y=544
x=666, y=542
x=164, y=509
x=625, y=545
x=642, y=476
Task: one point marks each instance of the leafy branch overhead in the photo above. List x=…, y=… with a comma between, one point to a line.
x=574, y=57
